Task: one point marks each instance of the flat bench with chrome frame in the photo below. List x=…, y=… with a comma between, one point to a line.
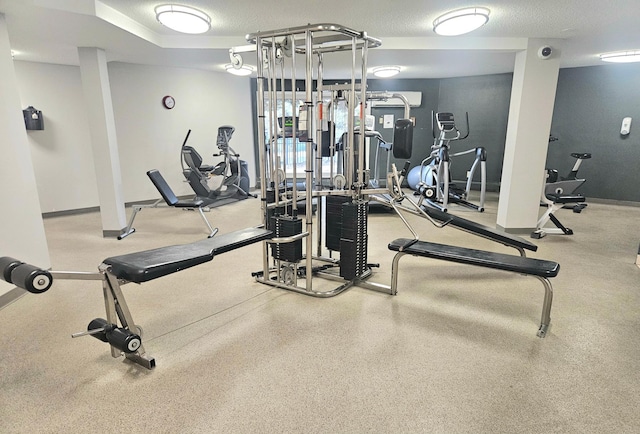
x=119, y=329
x=171, y=200
x=540, y=269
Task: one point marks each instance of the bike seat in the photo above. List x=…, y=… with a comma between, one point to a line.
x=579, y=156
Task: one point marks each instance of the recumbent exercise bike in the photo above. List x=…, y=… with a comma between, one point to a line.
x=235, y=172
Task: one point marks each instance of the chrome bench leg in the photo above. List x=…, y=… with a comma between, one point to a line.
x=394, y=272
x=212, y=231
x=117, y=309
x=545, y=322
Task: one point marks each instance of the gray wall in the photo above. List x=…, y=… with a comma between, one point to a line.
x=486, y=99
x=590, y=105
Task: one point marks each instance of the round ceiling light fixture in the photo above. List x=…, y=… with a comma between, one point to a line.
x=241, y=70
x=461, y=21
x=183, y=19
x=621, y=56
x=386, y=71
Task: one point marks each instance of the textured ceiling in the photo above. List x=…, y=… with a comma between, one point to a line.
x=509, y=18
x=51, y=30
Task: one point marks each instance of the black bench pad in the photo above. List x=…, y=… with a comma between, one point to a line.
x=189, y=203
x=484, y=231
x=147, y=265
x=234, y=240
x=557, y=198
x=463, y=255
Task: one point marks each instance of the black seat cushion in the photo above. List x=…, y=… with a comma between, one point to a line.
x=559, y=198
x=147, y=265
x=189, y=203
x=476, y=228
x=150, y=264
x=499, y=261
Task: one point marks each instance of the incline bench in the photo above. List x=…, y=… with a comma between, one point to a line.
x=135, y=267
x=469, y=226
x=171, y=201
x=540, y=269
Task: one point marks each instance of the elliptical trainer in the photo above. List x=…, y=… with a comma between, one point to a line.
x=433, y=177
x=234, y=171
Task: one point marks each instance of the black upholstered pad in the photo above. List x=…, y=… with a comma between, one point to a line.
x=234, y=240
x=150, y=264
x=189, y=203
x=484, y=231
x=498, y=261
x=557, y=198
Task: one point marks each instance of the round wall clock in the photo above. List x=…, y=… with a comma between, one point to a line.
x=168, y=102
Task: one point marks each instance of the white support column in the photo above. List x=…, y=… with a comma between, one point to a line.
x=21, y=229
x=97, y=95
x=531, y=109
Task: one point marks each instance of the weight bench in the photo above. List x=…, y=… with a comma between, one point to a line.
x=554, y=202
x=171, y=201
x=540, y=269
x=474, y=228
x=125, y=339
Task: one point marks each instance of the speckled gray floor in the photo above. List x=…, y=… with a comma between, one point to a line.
x=454, y=352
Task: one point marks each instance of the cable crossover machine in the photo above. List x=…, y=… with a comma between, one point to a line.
x=339, y=188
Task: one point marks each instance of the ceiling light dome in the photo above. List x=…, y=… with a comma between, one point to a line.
x=241, y=70
x=183, y=19
x=621, y=56
x=386, y=71
x=461, y=21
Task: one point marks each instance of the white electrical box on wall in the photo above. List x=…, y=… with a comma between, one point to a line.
x=626, y=126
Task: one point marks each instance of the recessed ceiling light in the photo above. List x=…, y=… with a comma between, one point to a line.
x=461, y=21
x=621, y=56
x=386, y=71
x=241, y=70
x=183, y=19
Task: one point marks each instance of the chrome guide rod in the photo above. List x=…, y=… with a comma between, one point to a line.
x=294, y=131
x=363, y=99
x=314, y=43
x=309, y=155
x=262, y=148
x=274, y=118
x=319, y=167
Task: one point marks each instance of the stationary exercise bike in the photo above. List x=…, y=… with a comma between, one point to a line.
x=567, y=185
x=234, y=172
x=554, y=202
x=432, y=178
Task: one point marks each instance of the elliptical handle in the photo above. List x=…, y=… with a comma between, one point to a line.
x=433, y=125
x=186, y=138
x=181, y=148
x=468, y=130
x=405, y=169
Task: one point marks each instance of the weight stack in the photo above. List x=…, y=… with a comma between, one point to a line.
x=286, y=226
x=334, y=221
x=353, y=242
x=272, y=212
